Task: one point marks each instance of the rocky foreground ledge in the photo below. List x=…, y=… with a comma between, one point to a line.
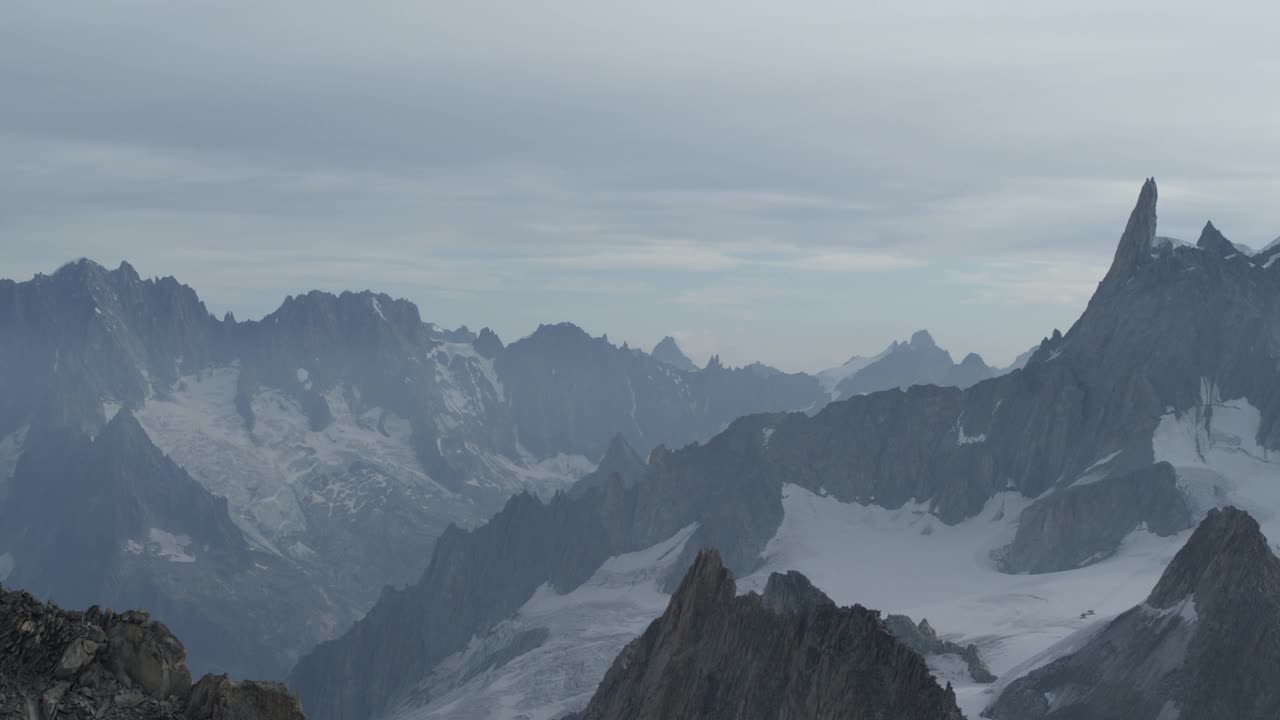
x=57, y=663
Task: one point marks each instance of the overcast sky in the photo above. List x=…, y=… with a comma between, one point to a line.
x=787, y=182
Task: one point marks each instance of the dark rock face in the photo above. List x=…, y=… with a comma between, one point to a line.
x=475, y=579
x=1205, y=644
x=715, y=655
x=792, y=592
x=1083, y=524
x=99, y=664
x=667, y=351
x=924, y=639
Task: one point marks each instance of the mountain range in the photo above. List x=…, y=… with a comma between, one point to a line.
x=311, y=457
x=257, y=483
x=918, y=361
x=1012, y=513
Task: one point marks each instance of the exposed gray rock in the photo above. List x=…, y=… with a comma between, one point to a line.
x=56, y=663
x=667, y=351
x=216, y=697
x=924, y=639
x=1083, y=524
x=713, y=654
x=1205, y=644
x=792, y=592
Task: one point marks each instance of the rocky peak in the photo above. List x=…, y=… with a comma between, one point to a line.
x=922, y=339
x=1205, y=644
x=667, y=351
x=1135, y=244
x=708, y=582
x=620, y=455
x=487, y=343
x=1214, y=241
x=1227, y=552
x=714, y=654
x=792, y=592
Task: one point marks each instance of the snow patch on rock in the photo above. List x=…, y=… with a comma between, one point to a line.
x=162, y=544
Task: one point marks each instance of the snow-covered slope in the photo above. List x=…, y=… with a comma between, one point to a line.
x=905, y=561
x=580, y=633
x=898, y=561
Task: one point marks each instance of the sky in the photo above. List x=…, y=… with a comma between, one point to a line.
x=792, y=183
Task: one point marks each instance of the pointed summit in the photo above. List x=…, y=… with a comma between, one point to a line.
x=1213, y=241
x=1139, y=234
x=792, y=592
x=714, y=654
x=1227, y=552
x=922, y=339
x=487, y=343
x=667, y=351
x=1206, y=642
x=708, y=582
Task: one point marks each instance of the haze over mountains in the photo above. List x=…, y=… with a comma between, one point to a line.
x=267, y=478
x=534, y=506
x=1158, y=404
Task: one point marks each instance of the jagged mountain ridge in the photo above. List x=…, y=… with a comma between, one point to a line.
x=1089, y=408
x=343, y=431
x=1205, y=644
x=917, y=361
x=714, y=654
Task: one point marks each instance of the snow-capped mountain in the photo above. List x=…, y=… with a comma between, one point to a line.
x=1012, y=513
x=336, y=438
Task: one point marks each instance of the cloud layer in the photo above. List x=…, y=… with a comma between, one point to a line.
x=789, y=184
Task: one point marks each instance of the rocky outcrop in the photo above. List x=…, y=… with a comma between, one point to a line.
x=1205, y=644
x=924, y=639
x=713, y=654
x=792, y=592
x=119, y=666
x=1085, y=523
